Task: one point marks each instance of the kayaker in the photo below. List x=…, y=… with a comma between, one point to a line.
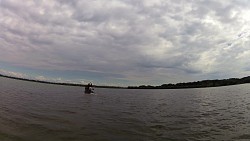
x=88, y=88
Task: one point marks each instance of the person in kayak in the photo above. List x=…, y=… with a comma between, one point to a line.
x=88, y=88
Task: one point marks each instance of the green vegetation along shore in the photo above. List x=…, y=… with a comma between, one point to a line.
x=56, y=83
x=198, y=84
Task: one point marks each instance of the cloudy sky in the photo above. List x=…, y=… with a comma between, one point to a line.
x=125, y=42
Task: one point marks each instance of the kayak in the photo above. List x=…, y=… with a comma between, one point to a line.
x=89, y=91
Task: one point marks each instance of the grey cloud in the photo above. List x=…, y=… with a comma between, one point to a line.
x=120, y=35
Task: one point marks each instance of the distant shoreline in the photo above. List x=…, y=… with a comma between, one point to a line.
x=58, y=83
x=186, y=85
x=197, y=84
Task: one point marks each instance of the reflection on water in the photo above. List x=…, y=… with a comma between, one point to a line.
x=38, y=112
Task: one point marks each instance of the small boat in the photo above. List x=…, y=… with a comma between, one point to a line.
x=89, y=90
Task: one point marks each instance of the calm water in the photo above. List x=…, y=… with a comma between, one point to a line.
x=41, y=112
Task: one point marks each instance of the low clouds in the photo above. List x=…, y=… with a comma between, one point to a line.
x=15, y=74
x=139, y=41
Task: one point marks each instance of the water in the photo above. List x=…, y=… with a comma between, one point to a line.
x=38, y=112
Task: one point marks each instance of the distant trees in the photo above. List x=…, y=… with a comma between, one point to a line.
x=197, y=84
x=58, y=83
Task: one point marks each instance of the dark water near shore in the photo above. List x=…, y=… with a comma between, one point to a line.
x=41, y=112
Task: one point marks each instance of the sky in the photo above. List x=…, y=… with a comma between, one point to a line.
x=125, y=42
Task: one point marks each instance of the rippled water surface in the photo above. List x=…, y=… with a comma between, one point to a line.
x=41, y=112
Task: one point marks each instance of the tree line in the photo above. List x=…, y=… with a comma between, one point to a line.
x=197, y=84
x=57, y=83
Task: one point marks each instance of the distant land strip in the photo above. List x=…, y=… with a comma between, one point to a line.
x=57, y=83
x=197, y=84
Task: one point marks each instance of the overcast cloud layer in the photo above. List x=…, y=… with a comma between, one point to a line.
x=128, y=41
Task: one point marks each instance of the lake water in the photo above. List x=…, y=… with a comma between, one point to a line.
x=40, y=112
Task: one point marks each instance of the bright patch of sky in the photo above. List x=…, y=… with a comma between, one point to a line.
x=125, y=42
